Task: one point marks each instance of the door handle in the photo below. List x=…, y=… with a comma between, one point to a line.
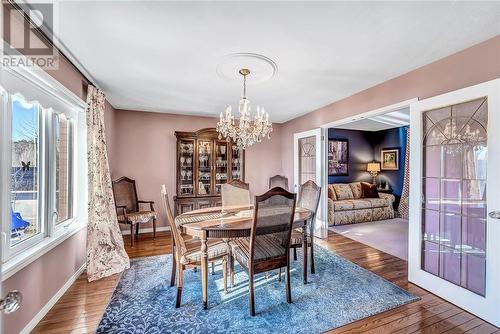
x=494, y=214
x=11, y=302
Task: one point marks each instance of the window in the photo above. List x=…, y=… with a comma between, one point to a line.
x=41, y=163
x=25, y=171
x=43, y=139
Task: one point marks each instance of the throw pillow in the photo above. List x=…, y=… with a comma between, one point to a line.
x=356, y=189
x=369, y=190
x=343, y=191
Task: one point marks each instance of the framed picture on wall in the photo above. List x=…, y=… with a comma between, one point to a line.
x=389, y=159
x=338, y=157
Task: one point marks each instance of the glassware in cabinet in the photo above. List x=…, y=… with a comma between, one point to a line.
x=185, y=163
x=204, y=167
x=221, y=165
x=237, y=163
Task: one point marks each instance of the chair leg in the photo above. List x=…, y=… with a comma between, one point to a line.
x=174, y=268
x=231, y=269
x=251, y=304
x=279, y=275
x=295, y=254
x=287, y=283
x=131, y=235
x=313, y=270
x=179, y=287
x=213, y=268
x=137, y=231
x=154, y=228
x=224, y=272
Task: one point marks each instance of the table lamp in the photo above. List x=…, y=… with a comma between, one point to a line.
x=373, y=168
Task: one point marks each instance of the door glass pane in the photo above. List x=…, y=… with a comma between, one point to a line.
x=63, y=167
x=24, y=215
x=454, y=186
x=307, y=159
x=204, y=167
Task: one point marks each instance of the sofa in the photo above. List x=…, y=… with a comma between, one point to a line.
x=346, y=205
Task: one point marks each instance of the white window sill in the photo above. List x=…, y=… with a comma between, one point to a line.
x=24, y=258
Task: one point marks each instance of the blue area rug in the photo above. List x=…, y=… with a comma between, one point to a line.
x=339, y=293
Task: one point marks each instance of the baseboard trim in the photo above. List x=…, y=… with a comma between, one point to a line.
x=39, y=316
x=147, y=230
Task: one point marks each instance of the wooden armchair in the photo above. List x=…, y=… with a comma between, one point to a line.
x=278, y=181
x=267, y=248
x=235, y=193
x=187, y=252
x=309, y=195
x=128, y=209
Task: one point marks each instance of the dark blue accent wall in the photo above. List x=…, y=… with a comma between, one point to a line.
x=392, y=138
x=365, y=147
x=360, y=153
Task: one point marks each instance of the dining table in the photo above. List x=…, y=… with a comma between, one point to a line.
x=229, y=222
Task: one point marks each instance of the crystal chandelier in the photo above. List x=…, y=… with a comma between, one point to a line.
x=246, y=132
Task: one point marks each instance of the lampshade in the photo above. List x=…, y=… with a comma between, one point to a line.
x=373, y=167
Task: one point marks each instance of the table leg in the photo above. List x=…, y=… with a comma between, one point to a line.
x=304, y=251
x=204, y=269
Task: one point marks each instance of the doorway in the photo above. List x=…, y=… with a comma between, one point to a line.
x=374, y=154
x=308, y=165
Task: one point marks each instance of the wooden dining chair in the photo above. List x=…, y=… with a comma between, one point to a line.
x=187, y=252
x=267, y=248
x=235, y=193
x=128, y=207
x=278, y=181
x=309, y=195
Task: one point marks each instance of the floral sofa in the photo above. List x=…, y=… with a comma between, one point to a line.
x=346, y=205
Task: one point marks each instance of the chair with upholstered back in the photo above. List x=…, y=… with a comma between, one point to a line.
x=235, y=193
x=187, y=252
x=128, y=207
x=278, y=181
x=267, y=248
x=309, y=195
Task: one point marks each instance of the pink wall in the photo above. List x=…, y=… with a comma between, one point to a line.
x=471, y=66
x=144, y=149
x=41, y=279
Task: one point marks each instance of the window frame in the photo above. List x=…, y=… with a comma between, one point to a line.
x=38, y=83
x=53, y=170
x=41, y=181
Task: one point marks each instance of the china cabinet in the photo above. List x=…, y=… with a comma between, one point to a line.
x=204, y=164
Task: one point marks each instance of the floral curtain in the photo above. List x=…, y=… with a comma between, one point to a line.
x=404, y=204
x=105, y=250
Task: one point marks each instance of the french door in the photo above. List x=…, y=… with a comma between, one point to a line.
x=308, y=165
x=454, y=232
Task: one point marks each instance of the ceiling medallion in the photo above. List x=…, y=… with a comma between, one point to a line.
x=245, y=132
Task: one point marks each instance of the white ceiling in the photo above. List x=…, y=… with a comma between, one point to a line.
x=162, y=56
x=393, y=119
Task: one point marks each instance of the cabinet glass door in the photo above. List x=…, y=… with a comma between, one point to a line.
x=221, y=163
x=237, y=164
x=204, y=167
x=186, y=161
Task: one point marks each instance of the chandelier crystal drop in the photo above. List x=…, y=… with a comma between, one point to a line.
x=245, y=132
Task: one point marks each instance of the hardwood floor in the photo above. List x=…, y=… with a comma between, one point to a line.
x=81, y=307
